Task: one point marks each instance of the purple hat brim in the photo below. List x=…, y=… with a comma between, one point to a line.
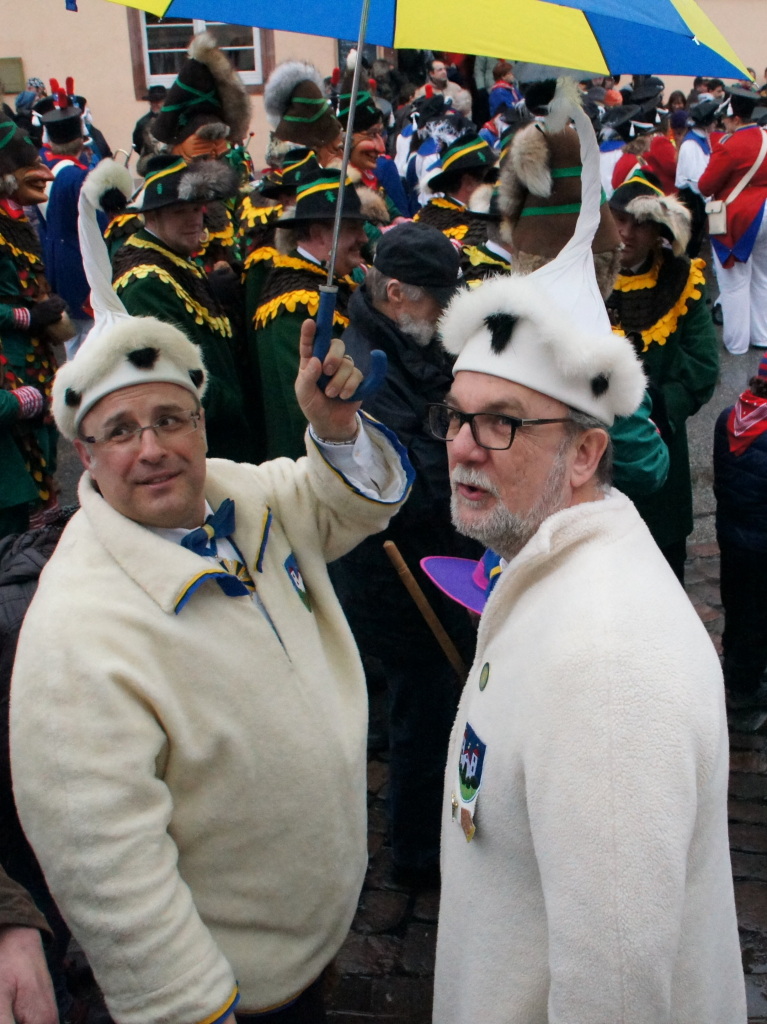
x=454, y=577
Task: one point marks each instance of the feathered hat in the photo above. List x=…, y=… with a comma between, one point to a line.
x=63, y=122
x=517, y=328
x=207, y=98
x=120, y=350
x=643, y=198
x=297, y=109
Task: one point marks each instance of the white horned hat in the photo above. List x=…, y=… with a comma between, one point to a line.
x=550, y=330
x=120, y=350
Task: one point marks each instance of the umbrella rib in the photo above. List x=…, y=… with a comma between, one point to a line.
x=596, y=40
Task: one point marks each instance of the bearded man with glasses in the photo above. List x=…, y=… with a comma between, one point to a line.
x=584, y=821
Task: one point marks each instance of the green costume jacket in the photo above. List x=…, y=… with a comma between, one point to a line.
x=666, y=307
x=27, y=447
x=289, y=294
x=152, y=280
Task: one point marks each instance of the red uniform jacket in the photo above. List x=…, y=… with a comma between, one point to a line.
x=731, y=158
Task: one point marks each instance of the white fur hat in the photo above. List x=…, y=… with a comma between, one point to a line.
x=550, y=331
x=510, y=327
x=120, y=350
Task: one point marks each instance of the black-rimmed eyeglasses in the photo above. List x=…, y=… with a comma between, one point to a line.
x=166, y=426
x=490, y=430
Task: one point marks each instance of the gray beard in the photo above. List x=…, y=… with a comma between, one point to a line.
x=503, y=531
x=421, y=331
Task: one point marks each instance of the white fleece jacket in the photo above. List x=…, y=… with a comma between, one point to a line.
x=597, y=888
x=192, y=780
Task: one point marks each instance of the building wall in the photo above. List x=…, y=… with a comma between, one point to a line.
x=93, y=46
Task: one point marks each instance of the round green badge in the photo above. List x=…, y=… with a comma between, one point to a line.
x=484, y=675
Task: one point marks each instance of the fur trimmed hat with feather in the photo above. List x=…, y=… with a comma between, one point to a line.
x=217, y=97
x=120, y=350
x=643, y=198
x=516, y=327
x=297, y=109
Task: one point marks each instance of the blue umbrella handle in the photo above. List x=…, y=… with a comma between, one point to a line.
x=378, y=362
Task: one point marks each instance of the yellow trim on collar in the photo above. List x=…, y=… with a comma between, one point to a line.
x=290, y=301
x=477, y=258
x=147, y=243
x=179, y=598
x=663, y=328
x=219, y=324
x=264, y=252
x=635, y=282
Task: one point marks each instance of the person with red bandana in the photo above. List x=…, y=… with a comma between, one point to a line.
x=31, y=321
x=740, y=487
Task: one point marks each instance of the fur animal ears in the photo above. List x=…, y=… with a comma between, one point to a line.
x=501, y=327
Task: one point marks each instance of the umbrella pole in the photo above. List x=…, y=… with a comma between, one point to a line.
x=328, y=291
x=348, y=140
x=440, y=635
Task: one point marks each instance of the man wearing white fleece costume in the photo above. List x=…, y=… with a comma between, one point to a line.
x=188, y=746
x=585, y=861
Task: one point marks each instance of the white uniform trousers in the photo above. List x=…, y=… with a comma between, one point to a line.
x=743, y=297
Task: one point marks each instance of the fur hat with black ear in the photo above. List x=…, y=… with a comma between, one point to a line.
x=207, y=98
x=510, y=327
x=297, y=109
x=642, y=197
x=120, y=350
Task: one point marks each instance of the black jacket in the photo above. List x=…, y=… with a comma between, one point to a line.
x=22, y=559
x=416, y=376
x=740, y=487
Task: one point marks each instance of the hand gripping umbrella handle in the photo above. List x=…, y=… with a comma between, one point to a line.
x=378, y=362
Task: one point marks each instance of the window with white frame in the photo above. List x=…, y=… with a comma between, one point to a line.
x=165, y=42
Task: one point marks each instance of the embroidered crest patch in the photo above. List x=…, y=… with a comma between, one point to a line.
x=470, y=764
x=291, y=568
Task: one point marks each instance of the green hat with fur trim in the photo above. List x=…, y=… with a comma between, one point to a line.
x=16, y=151
x=642, y=197
x=170, y=179
x=296, y=107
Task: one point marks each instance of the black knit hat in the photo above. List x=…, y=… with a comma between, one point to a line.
x=170, y=179
x=421, y=255
x=468, y=154
x=299, y=165
x=316, y=199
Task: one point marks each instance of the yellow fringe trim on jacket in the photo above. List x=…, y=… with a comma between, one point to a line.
x=145, y=243
x=458, y=232
x=634, y=282
x=291, y=301
x=251, y=215
x=219, y=324
x=663, y=328
x=477, y=258
x=265, y=252
x=20, y=252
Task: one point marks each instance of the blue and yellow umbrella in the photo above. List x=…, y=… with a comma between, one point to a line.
x=672, y=37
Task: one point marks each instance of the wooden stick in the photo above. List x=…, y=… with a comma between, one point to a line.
x=410, y=582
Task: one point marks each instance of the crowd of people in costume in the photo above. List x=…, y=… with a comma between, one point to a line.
x=465, y=178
